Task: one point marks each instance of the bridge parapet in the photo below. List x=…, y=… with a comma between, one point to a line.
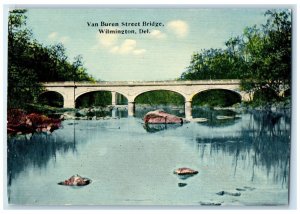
x=142, y=83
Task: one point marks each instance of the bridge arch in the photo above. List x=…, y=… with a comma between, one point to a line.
x=95, y=90
x=51, y=98
x=158, y=89
x=113, y=95
x=236, y=96
x=185, y=101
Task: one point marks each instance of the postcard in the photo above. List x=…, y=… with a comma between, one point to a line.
x=149, y=106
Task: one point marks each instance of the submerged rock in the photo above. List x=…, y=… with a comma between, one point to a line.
x=185, y=171
x=223, y=117
x=161, y=117
x=210, y=203
x=182, y=184
x=249, y=188
x=229, y=193
x=76, y=180
x=240, y=189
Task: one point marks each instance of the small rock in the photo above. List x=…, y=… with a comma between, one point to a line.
x=76, y=180
x=72, y=124
x=240, y=189
x=229, y=193
x=249, y=188
x=182, y=184
x=210, y=203
x=185, y=171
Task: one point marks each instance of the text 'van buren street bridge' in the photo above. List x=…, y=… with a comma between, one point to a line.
x=70, y=91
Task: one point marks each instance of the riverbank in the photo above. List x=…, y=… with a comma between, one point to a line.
x=21, y=122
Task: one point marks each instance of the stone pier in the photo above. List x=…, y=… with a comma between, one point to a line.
x=113, y=98
x=131, y=108
x=188, y=109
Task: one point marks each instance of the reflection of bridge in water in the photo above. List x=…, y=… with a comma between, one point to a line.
x=70, y=91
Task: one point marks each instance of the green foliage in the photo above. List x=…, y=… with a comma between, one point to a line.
x=216, y=98
x=30, y=63
x=98, y=98
x=264, y=96
x=214, y=64
x=260, y=57
x=160, y=97
x=269, y=53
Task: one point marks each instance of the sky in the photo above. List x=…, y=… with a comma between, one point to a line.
x=162, y=53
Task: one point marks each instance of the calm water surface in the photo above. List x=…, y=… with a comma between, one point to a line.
x=131, y=164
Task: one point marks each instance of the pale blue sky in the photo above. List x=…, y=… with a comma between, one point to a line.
x=161, y=55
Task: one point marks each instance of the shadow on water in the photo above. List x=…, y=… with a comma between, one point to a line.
x=266, y=139
x=36, y=150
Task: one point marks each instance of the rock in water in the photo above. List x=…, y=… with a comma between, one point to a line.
x=210, y=203
x=159, y=116
x=185, y=171
x=20, y=122
x=76, y=180
x=182, y=184
x=229, y=193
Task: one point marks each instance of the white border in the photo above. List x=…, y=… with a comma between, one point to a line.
x=294, y=188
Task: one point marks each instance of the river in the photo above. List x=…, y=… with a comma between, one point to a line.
x=242, y=159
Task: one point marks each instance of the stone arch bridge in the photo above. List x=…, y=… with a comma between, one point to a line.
x=131, y=89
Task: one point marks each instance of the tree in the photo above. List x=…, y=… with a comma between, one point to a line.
x=30, y=62
x=269, y=51
x=215, y=64
x=23, y=85
x=260, y=57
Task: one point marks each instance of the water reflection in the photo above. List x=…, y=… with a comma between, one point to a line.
x=98, y=113
x=119, y=112
x=35, y=150
x=255, y=146
x=141, y=110
x=152, y=128
x=264, y=141
x=216, y=118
